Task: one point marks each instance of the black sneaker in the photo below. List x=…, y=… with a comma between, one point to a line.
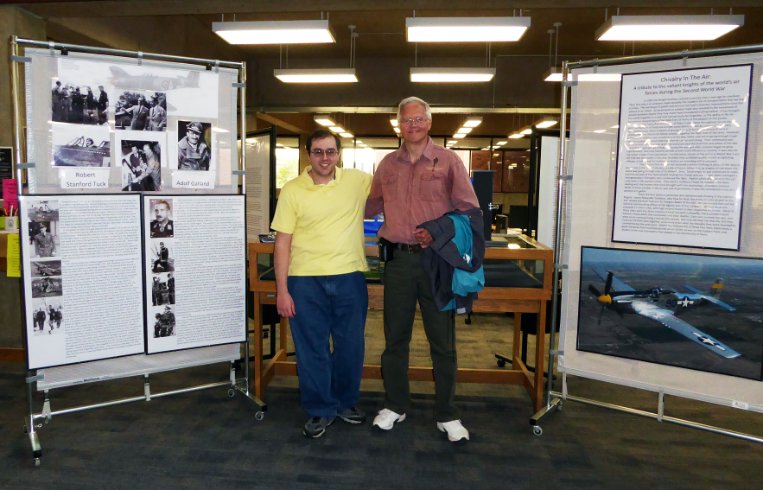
x=315, y=427
x=352, y=415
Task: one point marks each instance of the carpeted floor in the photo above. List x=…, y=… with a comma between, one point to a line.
x=206, y=440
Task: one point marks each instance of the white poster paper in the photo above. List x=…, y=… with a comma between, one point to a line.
x=681, y=157
x=195, y=271
x=82, y=256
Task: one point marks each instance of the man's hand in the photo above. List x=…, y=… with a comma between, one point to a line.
x=422, y=237
x=285, y=305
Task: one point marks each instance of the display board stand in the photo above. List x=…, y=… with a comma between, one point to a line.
x=563, y=242
x=226, y=162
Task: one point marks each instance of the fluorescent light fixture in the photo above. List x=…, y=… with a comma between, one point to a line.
x=526, y=131
x=515, y=136
x=465, y=29
x=275, y=32
x=546, y=123
x=394, y=122
x=452, y=75
x=396, y=130
x=336, y=129
x=464, y=130
x=668, y=27
x=323, y=120
x=473, y=122
x=317, y=75
x=553, y=75
x=500, y=143
x=346, y=135
x=459, y=136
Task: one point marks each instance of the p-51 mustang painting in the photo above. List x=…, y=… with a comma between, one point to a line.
x=695, y=311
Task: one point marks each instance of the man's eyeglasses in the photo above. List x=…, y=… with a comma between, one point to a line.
x=331, y=152
x=410, y=120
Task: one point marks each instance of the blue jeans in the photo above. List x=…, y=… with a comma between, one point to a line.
x=329, y=307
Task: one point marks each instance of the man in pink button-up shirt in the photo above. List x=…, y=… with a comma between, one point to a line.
x=417, y=183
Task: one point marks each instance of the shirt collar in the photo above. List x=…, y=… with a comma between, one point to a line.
x=308, y=181
x=428, y=153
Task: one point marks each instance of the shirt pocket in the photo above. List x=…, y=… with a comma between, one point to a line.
x=389, y=187
x=432, y=186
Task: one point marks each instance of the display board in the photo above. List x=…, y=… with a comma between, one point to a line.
x=590, y=220
x=195, y=271
x=83, y=282
x=547, y=179
x=112, y=124
x=681, y=156
x=260, y=156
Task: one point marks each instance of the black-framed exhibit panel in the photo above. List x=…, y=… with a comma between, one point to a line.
x=195, y=271
x=81, y=257
x=629, y=168
x=100, y=123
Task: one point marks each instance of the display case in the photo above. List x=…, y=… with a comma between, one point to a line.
x=518, y=273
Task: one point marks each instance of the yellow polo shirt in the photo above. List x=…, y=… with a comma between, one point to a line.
x=326, y=223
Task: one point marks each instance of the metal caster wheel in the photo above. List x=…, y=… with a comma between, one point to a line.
x=37, y=462
x=259, y=415
x=501, y=363
x=231, y=392
x=537, y=430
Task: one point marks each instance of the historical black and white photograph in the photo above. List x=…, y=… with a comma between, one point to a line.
x=141, y=111
x=45, y=287
x=693, y=311
x=47, y=316
x=79, y=104
x=161, y=256
x=141, y=162
x=45, y=268
x=194, y=145
x=79, y=146
x=163, y=321
x=163, y=289
x=43, y=229
x=162, y=225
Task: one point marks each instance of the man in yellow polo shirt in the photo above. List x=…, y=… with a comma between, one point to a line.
x=319, y=259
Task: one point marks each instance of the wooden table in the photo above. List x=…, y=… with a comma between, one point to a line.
x=517, y=300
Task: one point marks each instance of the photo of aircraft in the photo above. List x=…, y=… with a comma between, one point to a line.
x=664, y=306
x=147, y=81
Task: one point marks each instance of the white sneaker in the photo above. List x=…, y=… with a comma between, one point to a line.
x=386, y=419
x=455, y=430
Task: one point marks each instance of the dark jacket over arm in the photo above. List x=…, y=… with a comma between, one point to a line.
x=442, y=257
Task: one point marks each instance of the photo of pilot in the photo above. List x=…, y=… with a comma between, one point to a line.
x=161, y=225
x=193, y=151
x=161, y=257
x=164, y=321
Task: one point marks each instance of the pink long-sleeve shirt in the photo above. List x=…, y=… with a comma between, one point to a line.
x=410, y=193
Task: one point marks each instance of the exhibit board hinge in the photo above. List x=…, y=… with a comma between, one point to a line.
x=559, y=267
x=21, y=59
x=557, y=352
x=27, y=165
x=238, y=85
x=140, y=58
x=238, y=172
x=565, y=177
x=34, y=379
x=570, y=83
x=215, y=65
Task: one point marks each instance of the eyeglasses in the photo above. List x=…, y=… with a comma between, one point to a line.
x=410, y=120
x=331, y=152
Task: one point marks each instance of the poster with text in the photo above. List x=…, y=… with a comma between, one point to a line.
x=681, y=157
x=82, y=283
x=195, y=271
